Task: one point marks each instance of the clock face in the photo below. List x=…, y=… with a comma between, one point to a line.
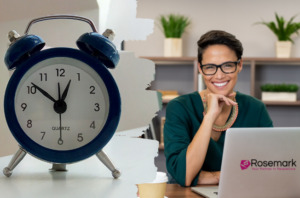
x=61, y=103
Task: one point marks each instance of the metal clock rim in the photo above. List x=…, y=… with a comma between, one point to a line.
x=72, y=155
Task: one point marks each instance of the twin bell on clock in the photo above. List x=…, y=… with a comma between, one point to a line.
x=62, y=105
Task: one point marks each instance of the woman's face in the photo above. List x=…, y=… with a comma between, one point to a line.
x=220, y=83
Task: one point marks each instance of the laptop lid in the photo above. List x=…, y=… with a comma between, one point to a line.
x=261, y=162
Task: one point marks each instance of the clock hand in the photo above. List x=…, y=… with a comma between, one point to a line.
x=58, y=88
x=59, y=106
x=60, y=141
x=44, y=92
x=64, y=95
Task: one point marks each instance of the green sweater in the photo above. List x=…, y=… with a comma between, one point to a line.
x=184, y=115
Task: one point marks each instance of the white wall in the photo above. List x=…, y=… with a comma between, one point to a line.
x=235, y=16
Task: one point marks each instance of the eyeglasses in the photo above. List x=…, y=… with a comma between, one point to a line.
x=227, y=68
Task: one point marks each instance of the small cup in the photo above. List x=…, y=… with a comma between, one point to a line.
x=155, y=189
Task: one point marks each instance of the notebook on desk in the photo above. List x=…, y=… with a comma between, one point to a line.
x=258, y=162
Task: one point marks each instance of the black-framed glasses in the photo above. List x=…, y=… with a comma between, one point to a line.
x=227, y=68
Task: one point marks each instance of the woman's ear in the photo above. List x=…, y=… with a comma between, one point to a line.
x=240, y=65
x=199, y=68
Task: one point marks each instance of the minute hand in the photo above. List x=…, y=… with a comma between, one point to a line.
x=64, y=95
x=44, y=92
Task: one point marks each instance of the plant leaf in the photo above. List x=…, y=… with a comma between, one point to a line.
x=174, y=25
x=282, y=29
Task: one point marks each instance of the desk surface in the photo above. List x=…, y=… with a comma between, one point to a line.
x=87, y=178
x=176, y=191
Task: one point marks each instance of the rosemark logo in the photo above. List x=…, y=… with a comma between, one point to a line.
x=244, y=164
x=269, y=165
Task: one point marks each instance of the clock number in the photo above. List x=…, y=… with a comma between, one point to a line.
x=92, y=125
x=43, y=76
x=97, y=107
x=29, y=123
x=60, y=72
x=23, y=106
x=43, y=134
x=31, y=89
x=78, y=76
x=79, y=137
x=92, y=88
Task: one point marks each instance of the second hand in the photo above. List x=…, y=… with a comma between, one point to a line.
x=60, y=141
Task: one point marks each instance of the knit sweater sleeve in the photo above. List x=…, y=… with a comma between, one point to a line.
x=177, y=137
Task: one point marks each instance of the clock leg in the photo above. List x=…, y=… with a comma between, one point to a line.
x=106, y=161
x=59, y=167
x=17, y=158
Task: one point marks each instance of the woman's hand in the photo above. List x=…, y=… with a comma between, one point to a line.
x=216, y=102
x=206, y=177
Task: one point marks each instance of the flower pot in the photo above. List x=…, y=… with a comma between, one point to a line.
x=283, y=49
x=279, y=96
x=173, y=47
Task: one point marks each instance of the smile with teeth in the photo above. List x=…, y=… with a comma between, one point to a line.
x=221, y=84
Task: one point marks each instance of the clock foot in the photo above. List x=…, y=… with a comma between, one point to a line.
x=7, y=172
x=59, y=167
x=17, y=158
x=106, y=161
x=116, y=174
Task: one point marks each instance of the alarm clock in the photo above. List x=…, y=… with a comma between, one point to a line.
x=62, y=105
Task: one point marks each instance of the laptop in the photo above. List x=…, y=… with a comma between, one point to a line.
x=258, y=162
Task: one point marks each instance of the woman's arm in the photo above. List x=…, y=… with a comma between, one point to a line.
x=197, y=149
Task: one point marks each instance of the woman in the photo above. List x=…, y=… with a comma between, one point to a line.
x=196, y=123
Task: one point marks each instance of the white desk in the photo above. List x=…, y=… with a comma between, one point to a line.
x=134, y=157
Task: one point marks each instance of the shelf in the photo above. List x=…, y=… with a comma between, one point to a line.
x=167, y=98
x=191, y=58
x=166, y=101
x=169, y=59
x=272, y=60
x=172, y=61
x=272, y=103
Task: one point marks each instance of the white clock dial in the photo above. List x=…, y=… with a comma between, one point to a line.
x=71, y=125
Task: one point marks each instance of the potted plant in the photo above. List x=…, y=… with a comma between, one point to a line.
x=279, y=92
x=283, y=30
x=173, y=26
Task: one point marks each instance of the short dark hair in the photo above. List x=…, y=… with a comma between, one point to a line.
x=215, y=37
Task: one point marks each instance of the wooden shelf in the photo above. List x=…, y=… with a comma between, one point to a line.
x=272, y=60
x=166, y=101
x=247, y=59
x=162, y=58
x=272, y=103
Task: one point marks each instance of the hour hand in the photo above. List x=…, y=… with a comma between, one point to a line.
x=44, y=92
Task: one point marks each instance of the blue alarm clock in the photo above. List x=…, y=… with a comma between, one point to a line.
x=62, y=105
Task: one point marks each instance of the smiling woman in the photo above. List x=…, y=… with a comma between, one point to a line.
x=196, y=123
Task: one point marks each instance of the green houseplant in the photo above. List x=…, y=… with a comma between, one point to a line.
x=279, y=87
x=173, y=26
x=283, y=30
x=279, y=92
